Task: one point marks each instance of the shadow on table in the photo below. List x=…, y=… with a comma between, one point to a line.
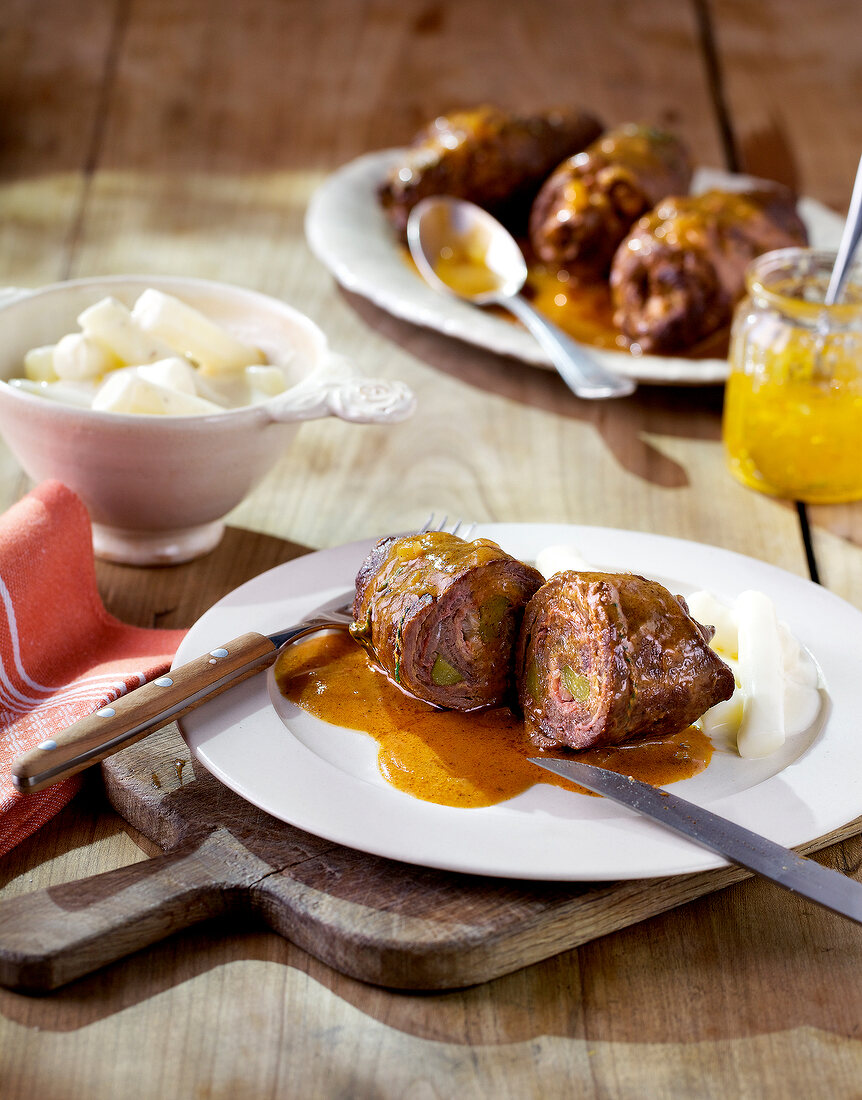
x=728, y=958
x=177, y=595
x=752, y=942
x=623, y=988
x=687, y=412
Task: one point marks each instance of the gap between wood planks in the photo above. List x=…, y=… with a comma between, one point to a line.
x=100, y=115
x=715, y=83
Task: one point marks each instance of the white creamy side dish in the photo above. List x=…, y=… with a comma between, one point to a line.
x=777, y=683
x=160, y=358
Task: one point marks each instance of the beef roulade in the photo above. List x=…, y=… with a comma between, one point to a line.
x=440, y=615
x=487, y=156
x=587, y=206
x=677, y=277
x=606, y=657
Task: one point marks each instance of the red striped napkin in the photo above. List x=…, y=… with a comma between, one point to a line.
x=61, y=654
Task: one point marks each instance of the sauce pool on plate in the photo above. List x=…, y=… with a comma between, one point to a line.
x=580, y=306
x=450, y=758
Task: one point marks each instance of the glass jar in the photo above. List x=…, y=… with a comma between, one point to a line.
x=793, y=402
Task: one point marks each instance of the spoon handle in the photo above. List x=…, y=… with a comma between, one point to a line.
x=584, y=376
x=849, y=242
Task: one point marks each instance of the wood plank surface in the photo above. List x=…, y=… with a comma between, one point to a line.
x=373, y=919
x=792, y=101
x=186, y=137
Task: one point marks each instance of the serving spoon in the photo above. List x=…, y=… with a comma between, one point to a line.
x=460, y=249
x=849, y=243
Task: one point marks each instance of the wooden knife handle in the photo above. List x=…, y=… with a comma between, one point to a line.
x=147, y=708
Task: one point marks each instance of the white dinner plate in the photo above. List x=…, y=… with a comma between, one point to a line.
x=325, y=779
x=347, y=231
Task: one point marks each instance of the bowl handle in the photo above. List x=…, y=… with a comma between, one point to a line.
x=338, y=389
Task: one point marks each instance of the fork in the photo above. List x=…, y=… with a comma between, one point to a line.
x=143, y=710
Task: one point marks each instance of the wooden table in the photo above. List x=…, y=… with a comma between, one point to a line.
x=187, y=137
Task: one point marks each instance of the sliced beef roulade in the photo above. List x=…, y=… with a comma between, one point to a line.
x=440, y=615
x=495, y=159
x=606, y=657
x=677, y=277
x=587, y=206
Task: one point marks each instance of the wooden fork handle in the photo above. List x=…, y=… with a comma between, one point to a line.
x=147, y=708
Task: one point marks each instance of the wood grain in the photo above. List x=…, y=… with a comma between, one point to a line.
x=186, y=137
x=792, y=101
x=791, y=97
x=382, y=922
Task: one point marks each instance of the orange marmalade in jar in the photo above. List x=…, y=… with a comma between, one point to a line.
x=793, y=403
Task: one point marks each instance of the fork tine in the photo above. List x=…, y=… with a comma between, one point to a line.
x=430, y=525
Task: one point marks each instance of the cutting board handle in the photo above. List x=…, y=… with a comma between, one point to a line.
x=52, y=936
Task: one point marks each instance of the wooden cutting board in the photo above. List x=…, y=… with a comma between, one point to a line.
x=374, y=919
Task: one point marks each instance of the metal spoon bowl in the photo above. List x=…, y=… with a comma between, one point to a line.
x=460, y=249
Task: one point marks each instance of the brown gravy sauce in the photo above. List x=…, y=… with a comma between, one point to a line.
x=454, y=759
x=581, y=306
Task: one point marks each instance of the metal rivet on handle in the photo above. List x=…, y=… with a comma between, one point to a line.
x=106, y=712
x=49, y=744
x=163, y=681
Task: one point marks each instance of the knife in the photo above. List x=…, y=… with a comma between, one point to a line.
x=802, y=876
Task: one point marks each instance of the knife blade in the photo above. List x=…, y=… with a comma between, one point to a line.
x=802, y=876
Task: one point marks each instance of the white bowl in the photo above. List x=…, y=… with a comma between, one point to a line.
x=158, y=487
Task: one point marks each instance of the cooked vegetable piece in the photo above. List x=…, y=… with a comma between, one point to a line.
x=491, y=617
x=531, y=681
x=578, y=686
x=443, y=674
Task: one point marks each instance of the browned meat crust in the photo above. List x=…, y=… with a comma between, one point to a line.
x=441, y=616
x=591, y=201
x=680, y=272
x=492, y=158
x=606, y=657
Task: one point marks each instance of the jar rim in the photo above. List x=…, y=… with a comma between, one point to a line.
x=799, y=263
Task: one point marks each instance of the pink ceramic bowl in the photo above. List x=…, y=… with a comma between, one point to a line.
x=157, y=487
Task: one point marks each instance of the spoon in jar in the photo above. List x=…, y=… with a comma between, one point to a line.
x=849, y=243
x=461, y=249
